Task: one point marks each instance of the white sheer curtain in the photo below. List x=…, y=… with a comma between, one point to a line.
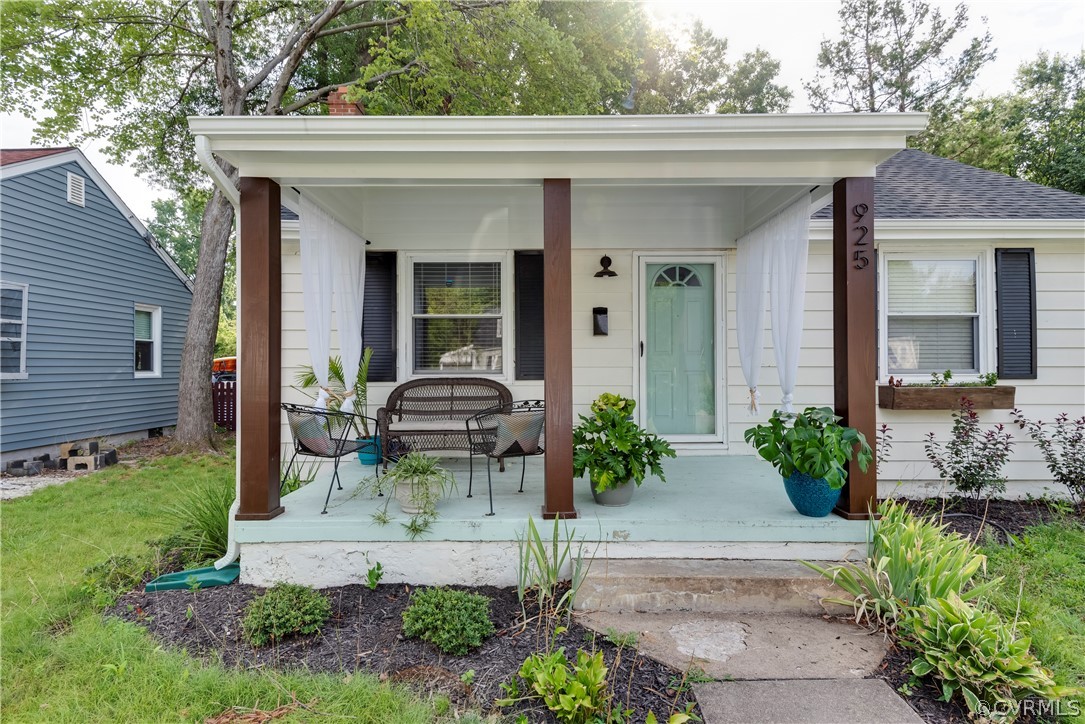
x=773, y=256
x=332, y=264
x=787, y=292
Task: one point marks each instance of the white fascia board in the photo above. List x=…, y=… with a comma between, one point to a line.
x=76, y=156
x=913, y=230
x=766, y=147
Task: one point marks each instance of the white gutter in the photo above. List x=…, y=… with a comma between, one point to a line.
x=223, y=183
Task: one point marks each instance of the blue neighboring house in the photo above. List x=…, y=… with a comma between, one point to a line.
x=92, y=310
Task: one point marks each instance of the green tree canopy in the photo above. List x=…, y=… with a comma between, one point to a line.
x=1036, y=132
x=895, y=55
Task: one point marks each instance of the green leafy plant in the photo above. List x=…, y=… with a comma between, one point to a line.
x=297, y=476
x=911, y=561
x=285, y=609
x=945, y=379
x=576, y=693
x=105, y=582
x=419, y=483
x=972, y=651
x=453, y=621
x=972, y=460
x=373, y=575
x=338, y=390
x=203, y=519
x=541, y=564
x=623, y=639
x=613, y=449
x=812, y=442
x=1063, y=448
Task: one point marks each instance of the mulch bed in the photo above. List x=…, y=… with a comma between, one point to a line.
x=993, y=520
x=364, y=634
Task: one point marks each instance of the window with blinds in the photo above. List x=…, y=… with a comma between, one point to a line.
x=932, y=316
x=146, y=340
x=13, y=330
x=457, y=317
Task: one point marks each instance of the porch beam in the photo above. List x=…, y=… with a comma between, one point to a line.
x=259, y=369
x=854, y=335
x=558, y=348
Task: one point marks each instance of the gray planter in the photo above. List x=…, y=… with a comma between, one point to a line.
x=615, y=497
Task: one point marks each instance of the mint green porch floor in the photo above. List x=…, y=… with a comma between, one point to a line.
x=705, y=498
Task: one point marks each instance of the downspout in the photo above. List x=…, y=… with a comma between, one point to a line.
x=223, y=183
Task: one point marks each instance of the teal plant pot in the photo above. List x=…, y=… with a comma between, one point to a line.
x=614, y=497
x=812, y=497
x=370, y=452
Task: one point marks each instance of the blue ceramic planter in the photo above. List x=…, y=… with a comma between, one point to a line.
x=370, y=452
x=811, y=496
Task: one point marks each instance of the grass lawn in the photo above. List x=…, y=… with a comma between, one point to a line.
x=1046, y=572
x=63, y=662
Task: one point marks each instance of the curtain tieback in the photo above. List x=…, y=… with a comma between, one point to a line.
x=754, y=397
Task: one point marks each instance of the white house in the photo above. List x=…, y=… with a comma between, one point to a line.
x=533, y=209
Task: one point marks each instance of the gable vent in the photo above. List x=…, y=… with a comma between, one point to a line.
x=77, y=190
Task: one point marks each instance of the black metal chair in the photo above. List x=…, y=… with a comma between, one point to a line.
x=509, y=430
x=321, y=433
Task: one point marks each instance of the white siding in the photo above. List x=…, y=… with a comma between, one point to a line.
x=622, y=221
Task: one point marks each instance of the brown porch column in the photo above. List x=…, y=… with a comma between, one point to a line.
x=558, y=335
x=854, y=337
x=260, y=369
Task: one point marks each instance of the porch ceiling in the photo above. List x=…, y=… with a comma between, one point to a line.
x=716, y=149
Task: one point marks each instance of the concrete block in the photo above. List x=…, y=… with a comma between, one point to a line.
x=69, y=449
x=22, y=468
x=83, y=462
x=43, y=458
x=110, y=456
x=92, y=447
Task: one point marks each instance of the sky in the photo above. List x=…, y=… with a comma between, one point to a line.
x=790, y=30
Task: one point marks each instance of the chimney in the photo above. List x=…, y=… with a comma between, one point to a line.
x=339, y=106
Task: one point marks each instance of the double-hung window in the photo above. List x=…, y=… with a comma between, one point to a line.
x=13, y=301
x=148, y=341
x=457, y=317
x=933, y=314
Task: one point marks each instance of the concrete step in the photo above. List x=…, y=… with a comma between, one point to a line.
x=803, y=702
x=704, y=586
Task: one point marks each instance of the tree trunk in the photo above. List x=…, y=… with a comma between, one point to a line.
x=195, y=415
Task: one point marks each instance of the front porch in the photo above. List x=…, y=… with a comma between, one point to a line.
x=711, y=507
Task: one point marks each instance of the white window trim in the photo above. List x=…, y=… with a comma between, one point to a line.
x=156, y=331
x=22, y=373
x=406, y=311
x=984, y=258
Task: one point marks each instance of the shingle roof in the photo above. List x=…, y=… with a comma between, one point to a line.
x=916, y=185
x=16, y=155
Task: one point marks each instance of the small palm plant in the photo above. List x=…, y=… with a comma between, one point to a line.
x=337, y=388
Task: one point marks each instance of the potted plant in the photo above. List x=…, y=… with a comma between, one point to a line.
x=418, y=482
x=809, y=449
x=615, y=452
x=370, y=452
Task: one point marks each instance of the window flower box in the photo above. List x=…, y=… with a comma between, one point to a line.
x=999, y=397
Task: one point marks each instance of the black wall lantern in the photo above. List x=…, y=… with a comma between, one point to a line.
x=605, y=262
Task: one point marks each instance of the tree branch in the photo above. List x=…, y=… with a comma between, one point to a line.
x=320, y=92
x=361, y=26
x=305, y=41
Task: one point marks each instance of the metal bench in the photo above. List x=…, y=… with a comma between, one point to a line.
x=432, y=413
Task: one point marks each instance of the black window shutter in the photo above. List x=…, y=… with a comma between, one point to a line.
x=379, y=314
x=529, y=315
x=1015, y=295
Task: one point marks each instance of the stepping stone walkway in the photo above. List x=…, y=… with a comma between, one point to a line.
x=805, y=701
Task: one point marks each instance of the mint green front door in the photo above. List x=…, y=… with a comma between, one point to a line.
x=680, y=350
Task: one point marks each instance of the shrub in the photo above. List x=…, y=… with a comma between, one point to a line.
x=203, y=517
x=973, y=651
x=912, y=561
x=453, y=621
x=1063, y=448
x=972, y=460
x=285, y=609
x=576, y=695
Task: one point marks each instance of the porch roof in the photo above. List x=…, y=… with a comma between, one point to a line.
x=713, y=149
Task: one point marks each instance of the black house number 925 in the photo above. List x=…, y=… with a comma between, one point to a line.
x=859, y=254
